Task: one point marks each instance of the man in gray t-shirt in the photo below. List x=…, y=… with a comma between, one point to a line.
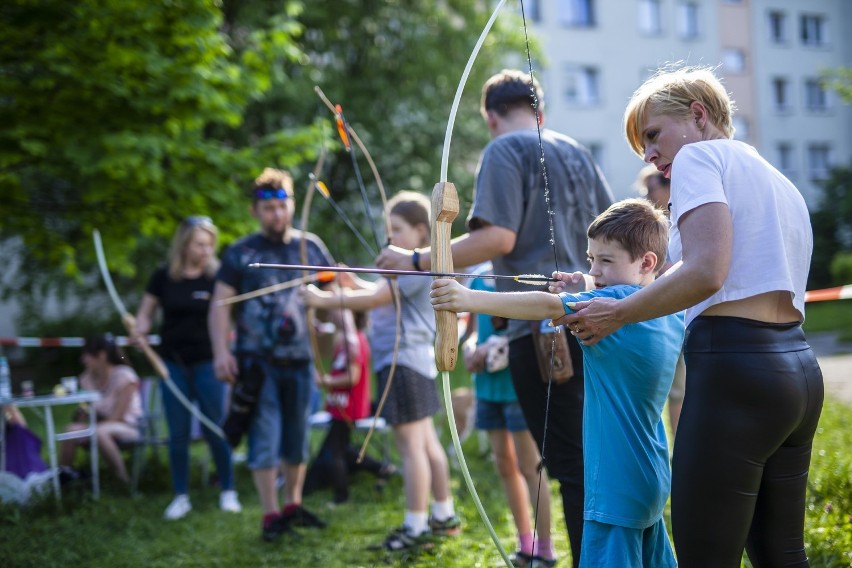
x=509, y=225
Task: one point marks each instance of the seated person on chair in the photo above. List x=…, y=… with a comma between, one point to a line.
x=119, y=409
x=347, y=400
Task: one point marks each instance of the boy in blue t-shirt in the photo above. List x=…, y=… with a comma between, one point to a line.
x=627, y=380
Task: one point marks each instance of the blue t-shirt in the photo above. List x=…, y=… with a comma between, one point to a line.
x=272, y=325
x=492, y=387
x=627, y=378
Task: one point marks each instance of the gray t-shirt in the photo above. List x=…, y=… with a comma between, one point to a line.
x=272, y=325
x=416, y=344
x=509, y=193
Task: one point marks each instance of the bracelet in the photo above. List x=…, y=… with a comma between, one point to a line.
x=415, y=260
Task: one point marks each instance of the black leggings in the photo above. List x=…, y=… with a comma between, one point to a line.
x=336, y=461
x=754, y=394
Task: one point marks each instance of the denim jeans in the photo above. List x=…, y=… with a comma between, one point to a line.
x=279, y=428
x=197, y=382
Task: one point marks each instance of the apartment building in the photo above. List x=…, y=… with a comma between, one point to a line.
x=769, y=53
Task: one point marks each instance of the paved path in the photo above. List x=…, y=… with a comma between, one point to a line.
x=835, y=360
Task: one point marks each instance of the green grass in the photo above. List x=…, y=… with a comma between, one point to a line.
x=120, y=530
x=833, y=316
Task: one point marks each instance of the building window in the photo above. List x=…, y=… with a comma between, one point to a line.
x=650, y=17
x=785, y=159
x=733, y=60
x=581, y=85
x=819, y=161
x=531, y=10
x=781, y=94
x=816, y=97
x=778, y=27
x=813, y=30
x=687, y=20
x=741, y=130
x=577, y=13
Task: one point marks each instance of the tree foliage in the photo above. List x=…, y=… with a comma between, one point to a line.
x=832, y=225
x=840, y=80
x=394, y=66
x=109, y=108
x=127, y=115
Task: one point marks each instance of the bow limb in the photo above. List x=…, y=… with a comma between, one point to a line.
x=445, y=208
x=310, y=313
x=130, y=325
x=396, y=293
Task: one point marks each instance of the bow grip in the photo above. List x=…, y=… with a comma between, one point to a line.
x=445, y=208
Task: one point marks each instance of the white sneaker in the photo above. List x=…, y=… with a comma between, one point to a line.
x=178, y=508
x=228, y=502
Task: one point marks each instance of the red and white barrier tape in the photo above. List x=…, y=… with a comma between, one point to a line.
x=826, y=294
x=120, y=340
x=839, y=293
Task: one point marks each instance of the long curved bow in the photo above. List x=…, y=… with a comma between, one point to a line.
x=346, y=132
x=445, y=208
x=310, y=313
x=130, y=324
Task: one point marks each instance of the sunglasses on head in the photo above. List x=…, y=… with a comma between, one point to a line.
x=270, y=193
x=194, y=220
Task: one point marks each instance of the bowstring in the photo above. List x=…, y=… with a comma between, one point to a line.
x=543, y=163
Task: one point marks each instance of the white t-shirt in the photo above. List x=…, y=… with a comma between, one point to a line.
x=772, y=236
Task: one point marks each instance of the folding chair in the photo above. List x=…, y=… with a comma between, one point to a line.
x=151, y=430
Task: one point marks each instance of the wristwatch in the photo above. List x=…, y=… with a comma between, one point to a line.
x=415, y=260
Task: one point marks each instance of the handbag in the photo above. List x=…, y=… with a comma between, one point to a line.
x=551, y=349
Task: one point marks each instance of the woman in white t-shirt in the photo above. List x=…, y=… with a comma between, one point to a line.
x=741, y=242
x=119, y=408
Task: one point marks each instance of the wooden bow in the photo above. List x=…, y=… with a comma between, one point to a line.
x=346, y=132
x=310, y=313
x=130, y=325
x=445, y=207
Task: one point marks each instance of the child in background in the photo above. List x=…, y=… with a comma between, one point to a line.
x=498, y=413
x=627, y=379
x=413, y=398
x=347, y=400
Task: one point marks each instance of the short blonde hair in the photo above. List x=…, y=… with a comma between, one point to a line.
x=670, y=92
x=272, y=178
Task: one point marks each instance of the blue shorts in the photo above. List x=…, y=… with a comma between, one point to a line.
x=500, y=416
x=613, y=546
x=279, y=428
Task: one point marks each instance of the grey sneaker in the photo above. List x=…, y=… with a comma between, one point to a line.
x=402, y=539
x=448, y=527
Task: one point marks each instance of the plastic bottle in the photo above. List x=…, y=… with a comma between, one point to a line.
x=5, y=379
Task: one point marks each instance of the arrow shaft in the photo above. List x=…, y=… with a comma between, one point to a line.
x=391, y=272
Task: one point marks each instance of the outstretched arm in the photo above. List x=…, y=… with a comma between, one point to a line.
x=451, y=296
x=471, y=248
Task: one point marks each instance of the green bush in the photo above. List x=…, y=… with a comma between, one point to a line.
x=841, y=268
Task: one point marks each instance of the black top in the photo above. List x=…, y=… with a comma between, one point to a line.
x=184, y=302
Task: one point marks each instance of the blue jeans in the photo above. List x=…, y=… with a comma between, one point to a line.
x=279, y=427
x=500, y=416
x=199, y=383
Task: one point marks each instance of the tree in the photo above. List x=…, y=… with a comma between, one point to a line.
x=127, y=115
x=109, y=107
x=832, y=225
x=394, y=66
x=839, y=80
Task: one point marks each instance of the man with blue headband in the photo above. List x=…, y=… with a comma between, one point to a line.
x=271, y=367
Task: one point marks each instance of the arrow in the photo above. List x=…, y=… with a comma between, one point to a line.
x=531, y=279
